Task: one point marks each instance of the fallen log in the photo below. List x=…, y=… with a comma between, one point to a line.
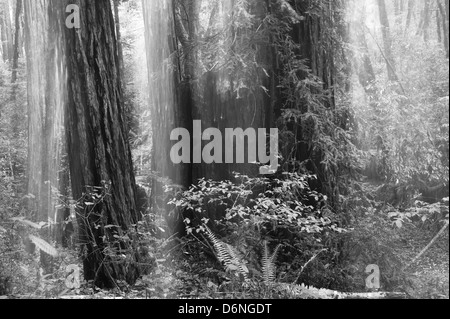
x=305, y=292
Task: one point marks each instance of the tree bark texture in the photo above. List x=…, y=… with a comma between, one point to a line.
x=98, y=147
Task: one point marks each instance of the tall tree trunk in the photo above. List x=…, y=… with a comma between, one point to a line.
x=398, y=11
x=366, y=74
x=118, y=37
x=384, y=20
x=4, y=14
x=170, y=104
x=426, y=21
x=445, y=24
x=15, y=62
x=15, y=118
x=46, y=97
x=410, y=14
x=98, y=147
x=439, y=26
x=35, y=33
x=6, y=31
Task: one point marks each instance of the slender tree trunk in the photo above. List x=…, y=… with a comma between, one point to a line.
x=390, y=62
x=366, y=74
x=410, y=13
x=426, y=21
x=398, y=11
x=438, y=26
x=15, y=118
x=6, y=31
x=98, y=147
x=15, y=62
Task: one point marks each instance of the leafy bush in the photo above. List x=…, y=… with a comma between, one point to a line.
x=252, y=213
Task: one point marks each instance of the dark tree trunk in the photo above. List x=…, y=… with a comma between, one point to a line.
x=118, y=37
x=445, y=24
x=15, y=118
x=15, y=61
x=98, y=147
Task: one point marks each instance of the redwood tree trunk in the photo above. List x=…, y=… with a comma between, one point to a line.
x=118, y=36
x=169, y=105
x=98, y=147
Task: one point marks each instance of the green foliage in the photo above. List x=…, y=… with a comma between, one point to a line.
x=422, y=213
x=267, y=205
x=317, y=132
x=404, y=130
x=268, y=263
x=226, y=254
x=252, y=211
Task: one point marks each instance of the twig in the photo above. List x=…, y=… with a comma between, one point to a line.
x=305, y=265
x=429, y=245
x=390, y=66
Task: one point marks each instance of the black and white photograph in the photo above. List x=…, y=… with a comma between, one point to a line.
x=226, y=155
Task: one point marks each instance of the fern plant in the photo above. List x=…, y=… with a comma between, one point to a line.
x=268, y=264
x=44, y=246
x=228, y=255
x=39, y=242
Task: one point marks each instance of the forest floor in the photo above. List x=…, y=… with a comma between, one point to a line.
x=378, y=241
x=428, y=276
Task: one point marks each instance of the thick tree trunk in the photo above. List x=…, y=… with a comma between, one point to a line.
x=169, y=105
x=316, y=50
x=118, y=37
x=46, y=98
x=98, y=147
x=35, y=33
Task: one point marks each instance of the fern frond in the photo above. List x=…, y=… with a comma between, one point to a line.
x=44, y=246
x=26, y=222
x=268, y=263
x=228, y=255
